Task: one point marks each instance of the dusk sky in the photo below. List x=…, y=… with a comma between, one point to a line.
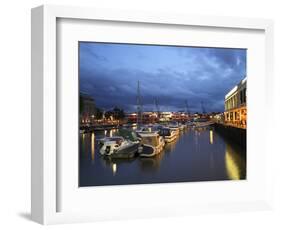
x=110, y=72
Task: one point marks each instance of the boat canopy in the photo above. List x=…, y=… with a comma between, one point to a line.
x=128, y=134
x=150, y=140
x=165, y=132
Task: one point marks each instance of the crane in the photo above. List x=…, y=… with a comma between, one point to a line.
x=203, y=108
x=156, y=102
x=139, y=105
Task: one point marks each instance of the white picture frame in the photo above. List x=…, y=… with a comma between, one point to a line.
x=45, y=166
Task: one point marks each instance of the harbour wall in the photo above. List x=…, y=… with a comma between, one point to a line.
x=232, y=134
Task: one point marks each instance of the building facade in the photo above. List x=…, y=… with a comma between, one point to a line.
x=87, y=109
x=236, y=106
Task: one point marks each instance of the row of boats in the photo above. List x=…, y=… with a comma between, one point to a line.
x=147, y=141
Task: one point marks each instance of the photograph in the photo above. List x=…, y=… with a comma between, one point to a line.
x=157, y=113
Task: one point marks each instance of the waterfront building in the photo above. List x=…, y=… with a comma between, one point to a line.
x=179, y=116
x=165, y=116
x=149, y=117
x=153, y=117
x=132, y=117
x=235, y=105
x=87, y=109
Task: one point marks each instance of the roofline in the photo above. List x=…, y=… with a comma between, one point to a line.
x=234, y=89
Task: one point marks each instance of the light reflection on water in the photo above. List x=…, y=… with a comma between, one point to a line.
x=211, y=137
x=234, y=163
x=196, y=155
x=92, y=146
x=114, y=168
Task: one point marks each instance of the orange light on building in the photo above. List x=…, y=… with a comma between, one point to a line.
x=235, y=106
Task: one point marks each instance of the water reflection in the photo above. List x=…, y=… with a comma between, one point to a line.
x=211, y=137
x=92, y=146
x=196, y=155
x=234, y=164
x=151, y=163
x=108, y=133
x=107, y=162
x=114, y=168
x=83, y=144
x=170, y=147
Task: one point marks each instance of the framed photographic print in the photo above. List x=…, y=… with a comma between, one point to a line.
x=139, y=114
x=146, y=118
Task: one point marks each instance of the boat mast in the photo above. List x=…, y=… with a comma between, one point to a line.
x=157, y=107
x=186, y=107
x=139, y=105
x=203, y=108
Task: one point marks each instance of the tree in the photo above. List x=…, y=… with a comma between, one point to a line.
x=108, y=114
x=118, y=113
x=99, y=113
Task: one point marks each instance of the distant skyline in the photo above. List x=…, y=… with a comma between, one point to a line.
x=109, y=73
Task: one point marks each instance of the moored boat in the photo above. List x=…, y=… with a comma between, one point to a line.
x=146, y=130
x=182, y=127
x=189, y=124
x=169, y=134
x=124, y=145
x=151, y=144
x=175, y=127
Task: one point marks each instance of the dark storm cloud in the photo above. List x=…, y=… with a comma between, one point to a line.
x=110, y=72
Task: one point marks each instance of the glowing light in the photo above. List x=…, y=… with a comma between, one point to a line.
x=211, y=137
x=114, y=168
x=93, y=146
x=231, y=166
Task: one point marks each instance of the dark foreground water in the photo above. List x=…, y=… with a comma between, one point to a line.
x=197, y=155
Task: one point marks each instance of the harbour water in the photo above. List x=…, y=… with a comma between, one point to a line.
x=198, y=154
